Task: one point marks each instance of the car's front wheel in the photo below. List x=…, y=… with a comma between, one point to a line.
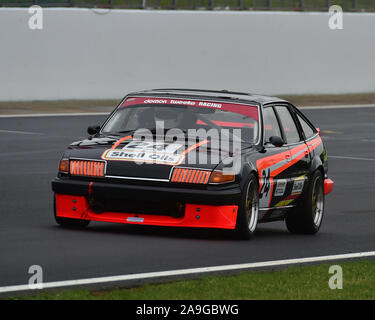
x=67, y=222
x=248, y=210
x=307, y=217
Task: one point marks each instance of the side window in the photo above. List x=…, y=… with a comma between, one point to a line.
x=309, y=132
x=271, y=125
x=288, y=124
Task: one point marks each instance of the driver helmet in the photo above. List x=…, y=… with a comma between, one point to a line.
x=171, y=118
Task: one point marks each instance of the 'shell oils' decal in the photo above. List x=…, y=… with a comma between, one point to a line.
x=148, y=152
x=139, y=156
x=157, y=152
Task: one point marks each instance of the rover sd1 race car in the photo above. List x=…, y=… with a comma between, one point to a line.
x=196, y=158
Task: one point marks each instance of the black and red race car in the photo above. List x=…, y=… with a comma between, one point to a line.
x=196, y=158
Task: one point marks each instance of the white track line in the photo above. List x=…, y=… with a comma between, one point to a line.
x=20, y=132
x=71, y=114
x=150, y=275
x=349, y=106
x=351, y=158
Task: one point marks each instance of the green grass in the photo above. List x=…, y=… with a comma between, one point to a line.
x=307, y=282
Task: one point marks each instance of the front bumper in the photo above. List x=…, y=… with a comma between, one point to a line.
x=204, y=208
x=195, y=215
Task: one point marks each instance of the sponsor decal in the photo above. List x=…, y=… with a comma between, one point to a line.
x=245, y=109
x=280, y=187
x=298, y=185
x=153, y=146
x=153, y=157
x=147, y=152
x=158, y=101
x=184, y=102
x=284, y=203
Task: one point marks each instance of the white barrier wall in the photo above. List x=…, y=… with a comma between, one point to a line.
x=82, y=54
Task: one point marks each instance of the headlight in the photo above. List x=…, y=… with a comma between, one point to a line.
x=188, y=175
x=87, y=168
x=218, y=177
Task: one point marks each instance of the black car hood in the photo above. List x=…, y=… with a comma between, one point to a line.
x=129, y=158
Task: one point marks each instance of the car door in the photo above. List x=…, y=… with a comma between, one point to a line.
x=300, y=159
x=272, y=181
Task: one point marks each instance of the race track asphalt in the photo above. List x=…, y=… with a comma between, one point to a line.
x=31, y=147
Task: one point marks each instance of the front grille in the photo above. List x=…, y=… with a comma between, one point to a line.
x=186, y=175
x=87, y=168
x=170, y=208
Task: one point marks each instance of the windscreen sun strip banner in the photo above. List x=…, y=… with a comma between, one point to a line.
x=244, y=109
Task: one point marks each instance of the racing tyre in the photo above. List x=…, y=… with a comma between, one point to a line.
x=67, y=222
x=248, y=210
x=307, y=217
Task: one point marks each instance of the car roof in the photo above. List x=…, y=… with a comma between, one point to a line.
x=220, y=94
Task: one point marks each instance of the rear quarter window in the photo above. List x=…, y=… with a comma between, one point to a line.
x=306, y=128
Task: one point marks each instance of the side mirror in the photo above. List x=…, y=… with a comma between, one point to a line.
x=277, y=141
x=91, y=130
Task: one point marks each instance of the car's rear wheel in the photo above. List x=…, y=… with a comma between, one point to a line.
x=248, y=210
x=67, y=222
x=307, y=216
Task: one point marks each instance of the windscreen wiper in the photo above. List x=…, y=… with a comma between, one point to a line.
x=123, y=131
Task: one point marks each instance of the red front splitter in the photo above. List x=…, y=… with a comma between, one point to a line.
x=328, y=186
x=201, y=216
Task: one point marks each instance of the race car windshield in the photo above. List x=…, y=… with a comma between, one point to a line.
x=242, y=124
